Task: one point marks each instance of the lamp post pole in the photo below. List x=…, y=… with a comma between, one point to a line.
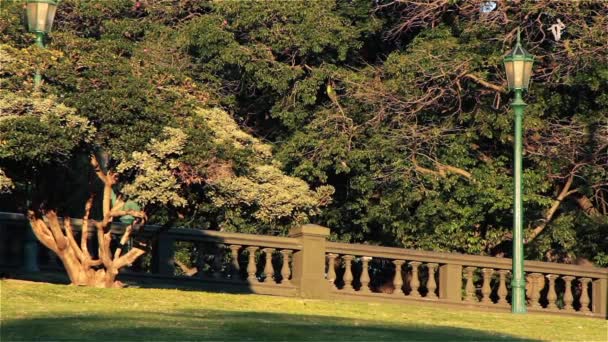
x=40, y=15
x=518, y=281
x=38, y=76
x=518, y=67
x=30, y=246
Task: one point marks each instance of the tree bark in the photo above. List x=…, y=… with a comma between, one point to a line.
x=588, y=208
x=80, y=266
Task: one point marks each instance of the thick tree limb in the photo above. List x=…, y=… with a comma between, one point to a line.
x=103, y=241
x=554, y=206
x=128, y=258
x=189, y=271
x=60, y=239
x=107, y=198
x=42, y=232
x=71, y=240
x=84, y=232
x=486, y=84
x=97, y=168
x=442, y=170
x=134, y=213
x=123, y=240
x=587, y=206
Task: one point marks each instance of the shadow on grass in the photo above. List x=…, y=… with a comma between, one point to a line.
x=226, y=325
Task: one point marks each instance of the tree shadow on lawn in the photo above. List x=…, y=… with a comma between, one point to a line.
x=226, y=325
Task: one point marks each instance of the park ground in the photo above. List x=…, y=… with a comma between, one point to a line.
x=40, y=311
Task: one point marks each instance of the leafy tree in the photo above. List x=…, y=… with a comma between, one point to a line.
x=135, y=124
x=400, y=108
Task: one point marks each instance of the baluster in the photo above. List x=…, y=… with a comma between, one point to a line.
x=502, y=288
x=535, y=288
x=470, y=287
x=486, y=290
x=568, y=298
x=217, y=262
x=285, y=270
x=398, y=279
x=551, y=294
x=431, y=285
x=268, y=269
x=331, y=270
x=251, y=267
x=234, y=254
x=365, y=274
x=415, y=281
x=584, y=298
x=348, y=274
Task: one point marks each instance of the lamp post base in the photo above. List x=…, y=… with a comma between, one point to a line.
x=518, y=297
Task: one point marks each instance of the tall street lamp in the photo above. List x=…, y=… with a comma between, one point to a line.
x=518, y=66
x=40, y=15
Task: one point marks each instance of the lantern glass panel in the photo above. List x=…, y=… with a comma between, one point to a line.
x=527, y=73
x=32, y=16
x=509, y=71
x=518, y=74
x=40, y=16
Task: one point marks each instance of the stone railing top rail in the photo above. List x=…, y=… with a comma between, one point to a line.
x=463, y=259
x=189, y=234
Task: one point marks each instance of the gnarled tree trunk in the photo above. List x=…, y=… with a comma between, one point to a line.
x=80, y=265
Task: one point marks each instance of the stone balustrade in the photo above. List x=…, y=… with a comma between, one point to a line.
x=305, y=264
x=460, y=279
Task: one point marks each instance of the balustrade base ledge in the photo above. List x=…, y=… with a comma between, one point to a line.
x=215, y=285
x=476, y=306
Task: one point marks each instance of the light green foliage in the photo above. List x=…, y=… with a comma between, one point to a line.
x=263, y=192
x=226, y=131
x=40, y=131
x=272, y=195
x=6, y=184
x=153, y=171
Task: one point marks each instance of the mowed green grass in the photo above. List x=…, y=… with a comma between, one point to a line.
x=39, y=311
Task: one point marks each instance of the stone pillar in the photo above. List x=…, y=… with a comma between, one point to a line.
x=450, y=282
x=308, y=272
x=162, y=256
x=599, y=289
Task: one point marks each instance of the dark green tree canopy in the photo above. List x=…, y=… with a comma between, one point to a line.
x=400, y=107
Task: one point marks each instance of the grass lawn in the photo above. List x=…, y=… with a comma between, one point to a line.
x=38, y=311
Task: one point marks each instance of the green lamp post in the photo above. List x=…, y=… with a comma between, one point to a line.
x=518, y=66
x=40, y=15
